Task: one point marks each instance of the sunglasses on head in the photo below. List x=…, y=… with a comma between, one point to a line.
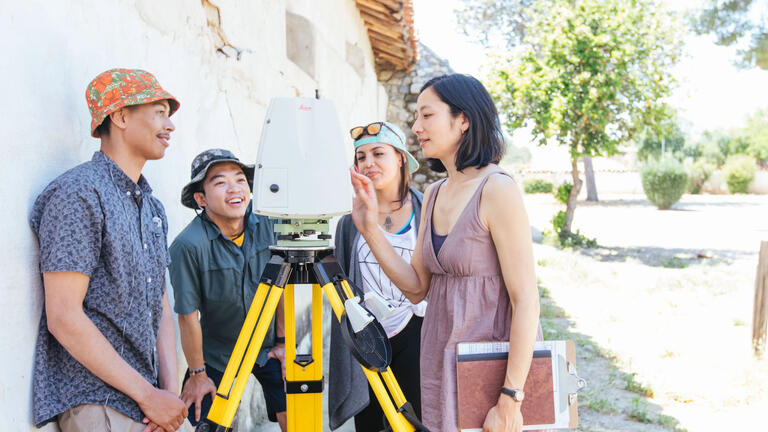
x=372, y=129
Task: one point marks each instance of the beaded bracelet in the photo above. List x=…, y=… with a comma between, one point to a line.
x=197, y=371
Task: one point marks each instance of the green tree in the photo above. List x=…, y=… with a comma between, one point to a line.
x=751, y=139
x=501, y=24
x=736, y=22
x=589, y=75
x=712, y=147
x=495, y=23
x=672, y=142
x=756, y=136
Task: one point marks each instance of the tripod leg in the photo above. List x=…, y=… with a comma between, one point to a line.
x=396, y=419
x=304, y=372
x=389, y=379
x=387, y=376
x=248, y=344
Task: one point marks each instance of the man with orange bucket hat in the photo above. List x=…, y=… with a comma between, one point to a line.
x=105, y=357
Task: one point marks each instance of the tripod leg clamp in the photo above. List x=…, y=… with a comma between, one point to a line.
x=410, y=415
x=303, y=387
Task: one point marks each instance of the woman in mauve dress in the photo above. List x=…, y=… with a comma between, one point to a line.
x=473, y=259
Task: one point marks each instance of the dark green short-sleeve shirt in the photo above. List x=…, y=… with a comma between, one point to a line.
x=210, y=273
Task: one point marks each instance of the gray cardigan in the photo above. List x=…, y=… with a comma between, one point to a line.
x=347, y=385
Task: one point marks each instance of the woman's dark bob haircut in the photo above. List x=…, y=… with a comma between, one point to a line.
x=483, y=142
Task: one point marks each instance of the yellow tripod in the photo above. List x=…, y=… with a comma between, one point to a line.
x=304, y=372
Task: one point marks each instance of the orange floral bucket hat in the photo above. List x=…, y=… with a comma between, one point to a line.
x=116, y=88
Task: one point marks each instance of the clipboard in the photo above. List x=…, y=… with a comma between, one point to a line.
x=550, y=389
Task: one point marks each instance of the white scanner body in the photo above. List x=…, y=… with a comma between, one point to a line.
x=302, y=167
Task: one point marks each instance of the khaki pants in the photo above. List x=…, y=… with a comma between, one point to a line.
x=92, y=418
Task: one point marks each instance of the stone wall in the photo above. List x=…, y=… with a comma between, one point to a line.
x=403, y=88
x=224, y=61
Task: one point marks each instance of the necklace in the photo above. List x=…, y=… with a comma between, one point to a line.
x=388, y=223
x=388, y=219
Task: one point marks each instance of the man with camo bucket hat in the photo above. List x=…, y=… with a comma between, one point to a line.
x=105, y=357
x=216, y=265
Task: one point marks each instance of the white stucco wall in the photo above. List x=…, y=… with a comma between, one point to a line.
x=51, y=50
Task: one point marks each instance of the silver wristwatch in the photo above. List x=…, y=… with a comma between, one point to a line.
x=516, y=394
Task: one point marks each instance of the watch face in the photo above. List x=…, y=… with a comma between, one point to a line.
x=516, y=394
x=519, y=395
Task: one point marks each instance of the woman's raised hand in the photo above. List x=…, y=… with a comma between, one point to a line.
x=365, y=207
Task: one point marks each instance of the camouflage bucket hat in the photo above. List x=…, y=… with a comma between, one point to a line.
x=200, y=165
x=116, y=88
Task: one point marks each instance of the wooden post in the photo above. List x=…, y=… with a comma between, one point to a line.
x=760, y=314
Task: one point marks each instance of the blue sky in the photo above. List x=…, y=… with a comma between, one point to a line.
x=712, y=92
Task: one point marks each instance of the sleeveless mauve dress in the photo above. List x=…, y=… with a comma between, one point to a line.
x=467, y=302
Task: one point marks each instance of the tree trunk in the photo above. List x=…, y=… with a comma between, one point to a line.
x=570, y=206
x=589, y=176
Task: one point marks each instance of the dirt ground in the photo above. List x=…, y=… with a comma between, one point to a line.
x=661, y=310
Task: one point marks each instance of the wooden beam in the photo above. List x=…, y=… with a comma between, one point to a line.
x=390, y=30
x=394, y=51
x=400, y=49
x=392, y=18
x=374, y=5
x=398, y=64
x=393, y=60
x=384, y=38
x=388, y=23
x=384, y=30
x=393, y=5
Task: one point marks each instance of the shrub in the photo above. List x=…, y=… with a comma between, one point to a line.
x=664, y=182
x=537, y=185
x=559, y=238
x=712, y=154
x=563, y=192
x=759, y=149
x=699, y=174
x=558, y=220
x=739, y=170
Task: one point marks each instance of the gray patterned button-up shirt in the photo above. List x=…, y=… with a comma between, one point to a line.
x=95, y=220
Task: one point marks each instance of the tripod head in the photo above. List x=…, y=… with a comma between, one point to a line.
x=301, y=177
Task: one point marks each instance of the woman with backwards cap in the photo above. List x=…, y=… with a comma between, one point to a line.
x=381, y=156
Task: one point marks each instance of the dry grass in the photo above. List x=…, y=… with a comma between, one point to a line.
x=661, y=315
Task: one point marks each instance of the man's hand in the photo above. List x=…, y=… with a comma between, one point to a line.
x=195, y=389
x=278, y=352
x=162, y=409
x=504, y=417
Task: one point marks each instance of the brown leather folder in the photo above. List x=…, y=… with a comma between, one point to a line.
x=480, y=370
